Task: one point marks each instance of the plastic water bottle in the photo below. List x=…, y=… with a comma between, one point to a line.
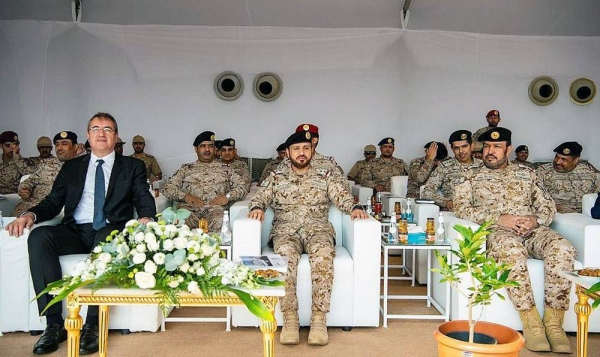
x=441, y=232
x=409, y=213
x=393, y=232
x=225, y=230
x=369, y=208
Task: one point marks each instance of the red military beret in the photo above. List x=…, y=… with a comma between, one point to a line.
x=313, y=129
x=493, y=112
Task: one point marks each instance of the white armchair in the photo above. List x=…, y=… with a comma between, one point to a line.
x=355, y=294
x=399, y=185
x=503, y=311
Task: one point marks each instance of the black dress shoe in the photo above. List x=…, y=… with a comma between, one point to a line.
x=88, y=343
x=52, y=336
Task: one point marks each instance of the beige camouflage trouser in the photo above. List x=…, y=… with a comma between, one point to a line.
x=321, y=251
x=543, y=243
x=213, y=214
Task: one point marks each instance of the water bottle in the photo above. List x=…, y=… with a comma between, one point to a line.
x=441, y=232
x=369, y=208
x=409, y=213
x=393, y=232
x=225, y=231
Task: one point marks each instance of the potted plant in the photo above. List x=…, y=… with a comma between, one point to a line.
x=486, y=277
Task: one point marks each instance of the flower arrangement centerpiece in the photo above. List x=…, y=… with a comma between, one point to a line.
x=168, y=257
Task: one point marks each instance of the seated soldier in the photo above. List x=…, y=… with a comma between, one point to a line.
x=205, y=186
x=359, y=166
x=37, y=186
x=567, y=179
x=420, y=168
x=229, y=157
x=521, y=155
x=272, y=165
x=379, y=171
x=13, y=166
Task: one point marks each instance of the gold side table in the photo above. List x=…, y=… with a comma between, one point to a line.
x=583, y=309
x=115, y=296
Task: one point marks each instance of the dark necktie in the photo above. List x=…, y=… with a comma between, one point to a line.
x=99, y=193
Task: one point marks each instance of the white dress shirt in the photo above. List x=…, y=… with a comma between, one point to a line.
x=84, y=213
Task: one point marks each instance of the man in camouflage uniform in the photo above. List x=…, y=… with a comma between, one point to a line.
x=44, y=146
x=272, y=165
x=152, y=168
x=521, y=155
x=300, y=196
x=477, y=152
x=420, y=168
x=205, y=187
x=449, y=173
x=13, y=166
x=356, y=170
x=493, y=118
x=516, y=201
x=379, y=171
x=119, y=146
x=37, y=186
x=229, y=157
x=567, y=179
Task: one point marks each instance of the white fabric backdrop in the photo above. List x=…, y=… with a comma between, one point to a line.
x=357, y=85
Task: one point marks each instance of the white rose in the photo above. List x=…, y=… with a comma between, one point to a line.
x=193, y=246
x=150, y=267
x=207, y=249
x=168, y=245
x=149, y=237
x=159, y=258
x=141, y=247
x=193, y=257
x=184, y=267
x=139, y=258
x=170, y=229
x=200, y=271
x=173, y=284
x=139, y=237
x=153, y=246
x=180, y=243
x=145, y=280
x=100, y=267
x=105, y=257
x=97, y=249
x=131, y=223
x=79, y=268
x=194, y=288
x=152, y=225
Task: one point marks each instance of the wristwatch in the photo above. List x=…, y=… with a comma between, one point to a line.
x=228, y=196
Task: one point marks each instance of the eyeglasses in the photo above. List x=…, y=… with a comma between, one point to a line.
x=106, y=129
x=369, y=152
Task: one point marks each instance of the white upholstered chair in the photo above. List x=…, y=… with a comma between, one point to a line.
x=355, y=294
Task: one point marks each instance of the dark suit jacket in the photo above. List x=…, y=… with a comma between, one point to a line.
x=127, y=188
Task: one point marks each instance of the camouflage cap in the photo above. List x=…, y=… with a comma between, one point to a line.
x=67, y=135
x=138, y=139
x=386, y=141
x=227, y=142
x=119, y=141
x=460, y=135
x=477, y=146
x=9, y=137
x=496, y=134
x=313, y=129
x=43, y=141
x=493, y=112
x=522, y=148
x=569, y=148
x=204, y=136
x=370, y=148
x=301, y=137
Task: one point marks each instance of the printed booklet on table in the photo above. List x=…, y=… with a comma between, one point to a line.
x=257, y=262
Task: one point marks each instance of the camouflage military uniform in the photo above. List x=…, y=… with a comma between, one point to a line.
x=241, y=168
x=356, y=171
x=480, y=131
x=205, y=181
x=567, y=188
x=419, y=171
x=39, y=183
x=270, y=166
x=524, y=163
x=11, y=172
x=35, y=161
x=448, y=174
x=152, y=167
x=301, y=207
x=379, y=171
x=516, y=190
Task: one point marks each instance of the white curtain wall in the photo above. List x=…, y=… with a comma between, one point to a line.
x=357, y=85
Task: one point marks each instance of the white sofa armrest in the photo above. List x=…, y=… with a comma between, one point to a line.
x=587, y=203
x=583, y=232
x=362, y=239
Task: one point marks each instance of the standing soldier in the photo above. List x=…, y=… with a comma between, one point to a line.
x=567, y=179
x=493, y=119
x=37, y=186
x=516, y=201
x=272, y=165
x=420, y=168
x=205, y=187
x=152, y=168
x=44, y=146
x=359, y=166
x=229, y=157
x=521, y=155
x=13, y=166
x=300, y=196
x=379, y=171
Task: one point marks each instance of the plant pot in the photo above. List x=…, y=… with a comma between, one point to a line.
x=510, y=342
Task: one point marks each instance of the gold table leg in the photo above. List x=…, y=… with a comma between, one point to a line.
x=268, y=328
x=583, y=311
x=73, y=324
x=103, y=332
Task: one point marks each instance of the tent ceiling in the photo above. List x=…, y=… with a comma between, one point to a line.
x=504, y=17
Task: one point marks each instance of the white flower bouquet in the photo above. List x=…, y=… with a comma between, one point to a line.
x=165, y=256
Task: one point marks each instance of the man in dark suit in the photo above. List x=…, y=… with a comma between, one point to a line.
x=99, y=193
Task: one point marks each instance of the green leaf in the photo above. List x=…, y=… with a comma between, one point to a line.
x=254, y=305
